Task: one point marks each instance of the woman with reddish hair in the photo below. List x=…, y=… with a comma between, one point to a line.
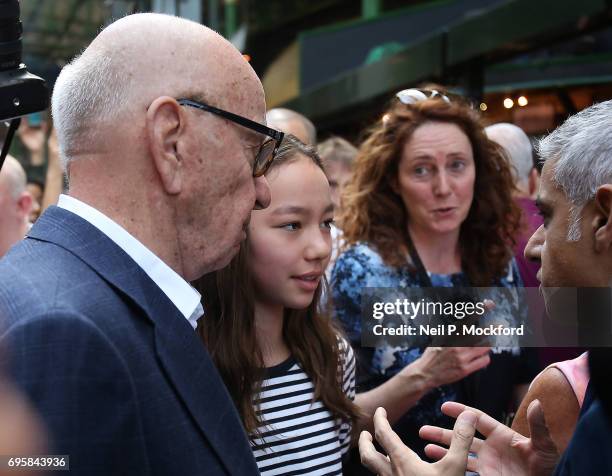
x=429, y=205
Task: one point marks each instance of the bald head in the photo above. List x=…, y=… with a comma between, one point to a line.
x=12, y=178
x=15, y=204
x=517, y=146
x=291, y=122
x=177, y=177
x=123, y=71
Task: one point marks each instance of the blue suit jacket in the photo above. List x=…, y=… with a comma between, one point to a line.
x=588, y=452
x=118, y=375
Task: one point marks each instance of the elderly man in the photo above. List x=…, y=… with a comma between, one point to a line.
x=518, y=147
x=291, y=122
x=165, y=152
x=15, y=204
x=574, y=246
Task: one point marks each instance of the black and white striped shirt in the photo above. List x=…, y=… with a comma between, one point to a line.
x=299, y=436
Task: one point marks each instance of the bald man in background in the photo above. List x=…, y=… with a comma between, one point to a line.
x=98, y=309
x=292, y=122
x=15, y=204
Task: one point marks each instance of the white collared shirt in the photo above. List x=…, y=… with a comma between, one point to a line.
x=184, y=296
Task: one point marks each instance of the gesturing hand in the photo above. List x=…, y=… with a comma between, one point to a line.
x=402, y=461
x=444, y=365
x=503, y=451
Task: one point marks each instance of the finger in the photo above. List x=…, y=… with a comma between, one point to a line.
x=489, y=305
x=444, y=436
x=436, y=453
x=389, y=440
x=370, y=458
x=540, y=435
x=482, y=350
x=478, y=364
x=461, y=441
x=485, y=424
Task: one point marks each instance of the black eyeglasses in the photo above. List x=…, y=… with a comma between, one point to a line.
x=269, y=147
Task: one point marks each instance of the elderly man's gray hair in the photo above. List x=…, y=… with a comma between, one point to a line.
x=89, y=90
x=581, y=152
x=517, y=146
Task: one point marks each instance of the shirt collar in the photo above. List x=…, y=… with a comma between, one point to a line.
x=184, y=296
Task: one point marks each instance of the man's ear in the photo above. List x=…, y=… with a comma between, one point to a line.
x=164, y=126
x=25, y=204
x=602, y=222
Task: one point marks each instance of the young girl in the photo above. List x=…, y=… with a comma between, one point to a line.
x=291, y=375
x=286, y=366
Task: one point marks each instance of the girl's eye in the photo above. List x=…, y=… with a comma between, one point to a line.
x=294, y=226
x=327, y=224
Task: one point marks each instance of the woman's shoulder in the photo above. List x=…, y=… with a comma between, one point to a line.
x=361, y=249
x=359, y=256
x=512, y=277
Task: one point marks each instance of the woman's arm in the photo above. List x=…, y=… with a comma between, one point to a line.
x=437, y=366
x=559, y=403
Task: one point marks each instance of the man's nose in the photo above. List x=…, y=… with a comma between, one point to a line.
x=533, y=249
x=262, y=193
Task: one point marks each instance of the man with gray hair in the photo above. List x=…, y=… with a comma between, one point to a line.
x=292, y=122
x=574, y=246
x=518, y=148
x=520, y=152
x=165, y=151
x=15, y=204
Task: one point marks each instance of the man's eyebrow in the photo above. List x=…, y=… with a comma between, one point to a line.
x=252, y=137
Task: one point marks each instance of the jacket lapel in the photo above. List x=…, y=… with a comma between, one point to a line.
x=182, y=355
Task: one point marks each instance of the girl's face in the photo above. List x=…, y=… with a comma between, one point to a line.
x=290, y=241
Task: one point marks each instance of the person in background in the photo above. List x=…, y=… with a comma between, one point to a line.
x=519, y=150
x=292, y=122
x=37, y=190
x=15, y=204
x=338, y=154
x=429, y=205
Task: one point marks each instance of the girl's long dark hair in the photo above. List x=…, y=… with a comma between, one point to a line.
x=228, y=330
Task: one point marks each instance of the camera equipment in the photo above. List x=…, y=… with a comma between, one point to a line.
x=21, y=92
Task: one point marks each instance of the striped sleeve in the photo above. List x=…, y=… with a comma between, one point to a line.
x=348, y=387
